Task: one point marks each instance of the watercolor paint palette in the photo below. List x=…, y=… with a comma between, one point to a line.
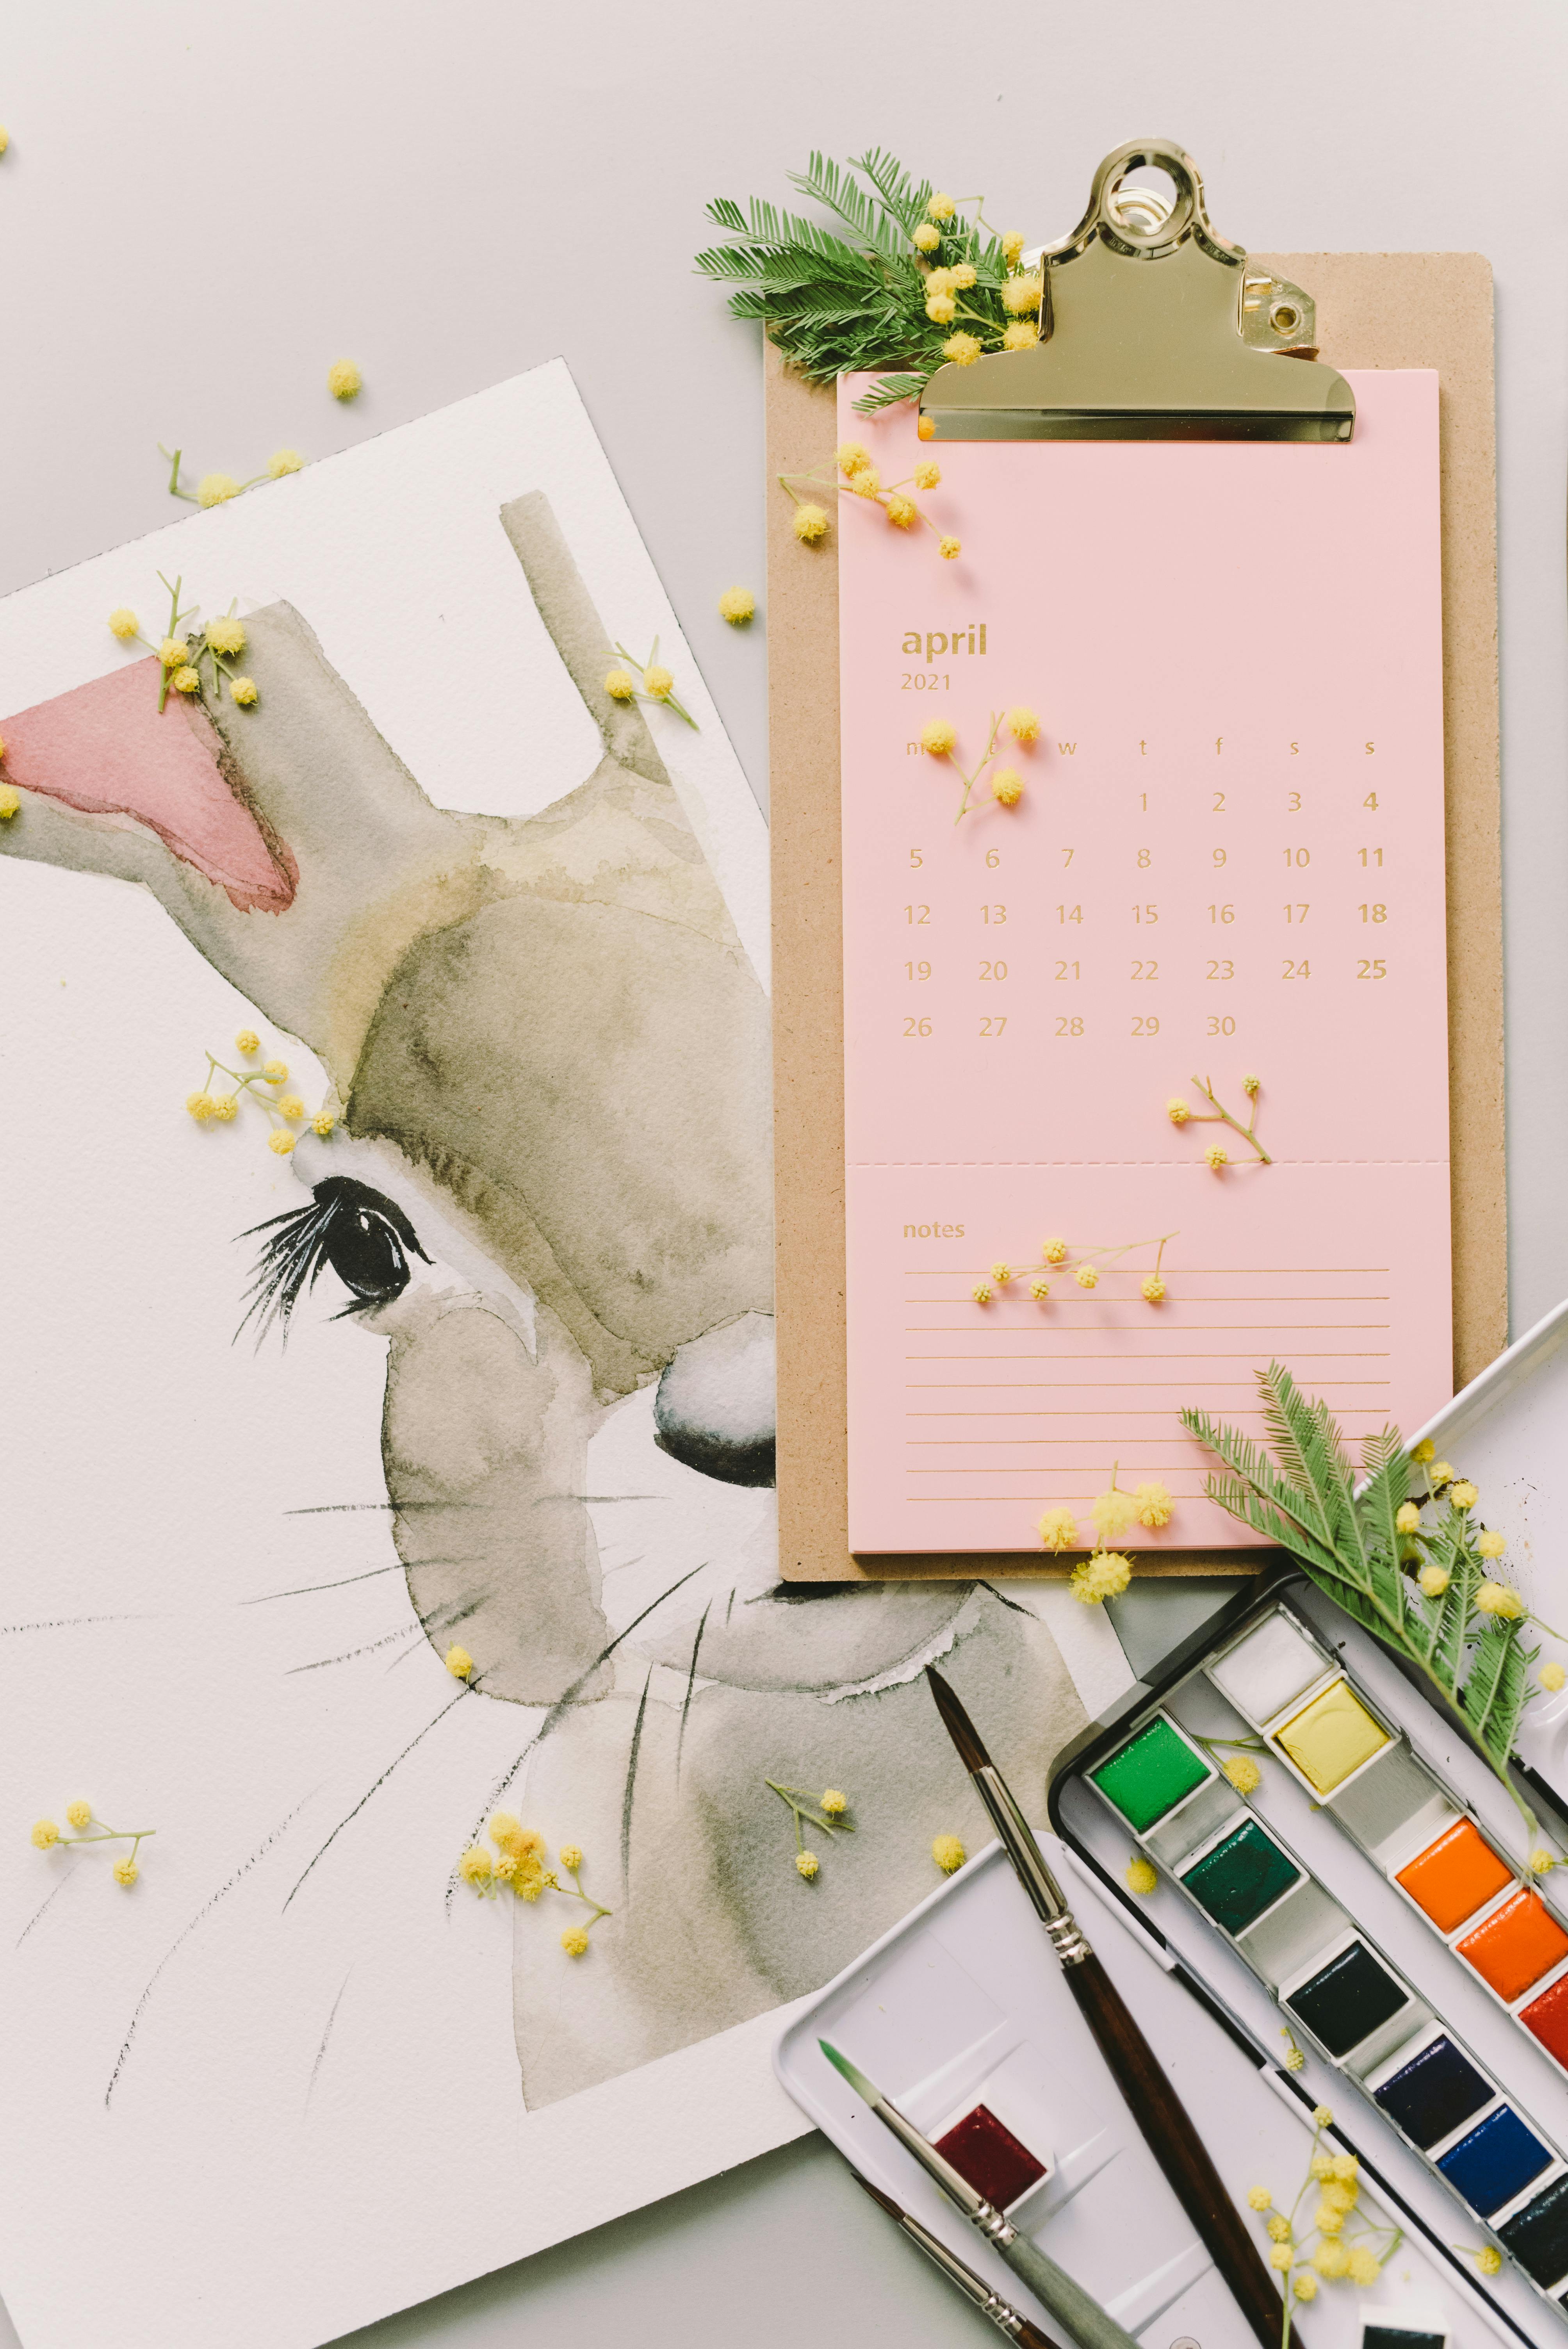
x=963, y=2008
x=1369, y=1886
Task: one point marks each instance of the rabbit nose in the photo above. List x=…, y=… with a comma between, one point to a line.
x=715, y=1410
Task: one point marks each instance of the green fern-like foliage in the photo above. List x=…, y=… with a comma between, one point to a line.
x=850, y=297
x=1302, y=1493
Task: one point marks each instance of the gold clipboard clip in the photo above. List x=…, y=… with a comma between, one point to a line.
x=1151, y=328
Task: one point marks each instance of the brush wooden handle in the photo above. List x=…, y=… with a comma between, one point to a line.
x=1176, y=2145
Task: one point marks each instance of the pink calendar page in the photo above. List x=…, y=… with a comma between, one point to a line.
x=1225, y=864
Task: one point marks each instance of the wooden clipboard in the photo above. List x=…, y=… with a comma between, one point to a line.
x=1374, y=310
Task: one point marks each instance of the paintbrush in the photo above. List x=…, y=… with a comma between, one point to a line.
x=1090, y=2324
x=1007, y=2320
x=1137, y=2072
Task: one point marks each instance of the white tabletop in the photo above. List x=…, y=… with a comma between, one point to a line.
x=201, y=208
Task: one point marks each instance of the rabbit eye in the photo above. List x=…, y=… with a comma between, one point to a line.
x=358, y=1232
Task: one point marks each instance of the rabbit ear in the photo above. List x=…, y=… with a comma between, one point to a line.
x=108, y=751
x=577, y=632
x=288, y=841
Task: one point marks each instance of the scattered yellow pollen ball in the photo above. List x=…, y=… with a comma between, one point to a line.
x=475, y=1865
x=1054, y=1251
x=1217, y=1155
x=1177, y=1111
x=1407, y=1517
x=1425, y=1450
x=122, y=622
x=1489, y=2259
x=1024, y=724
x=185, y=681
x=225, y=1107
x=1295, y=2061
x=46, y=1834
x=1001, y=1274
x=1497, y=1599
x=1323, y=2116
x=505, y=1869
x=941, y=206
x=10, y=801
x=201, y=1106
x=1008, y=787
x=1542, y=1863
x=1366, y=2267
x=283, y=461
x=1020, y=336
x=1022, y=293
x=1328, y=2219
x=851, y=457
x=1104, y=1576
x=1154, y=1505
x=737, y=604
x=659, y=683
x=1279, y=2229
x=941, y=309
x=343, y=380
x=1141, y=1876
x=982, y=1292
x=226, y=635
x=173, y=652
x=901, y=511
x=1250, y=1084
x=1442, y=1473
x=216, y=489
x=1552, y=1676
x=1086, y=1276
x=458, y=1662
x=1330, y=2259
x=1305, y=2285
x=571, y=1857
x=927, y=237
x=867, y=482
x=1281, y=2256
x=1492, y=1545
x=291, y=1105
x=280, y=1140
x=1039, y=1290
x=949, y=548
x=503, y=1825
x=810, y=524
x=1463, y=1496
x=1059, y=1529
x=938, y=736
x=275, y=1071
x=927, y=473
x=1012, y=246
x=78, y=1815
x=948, y=1852
x=926, y=428
x=126, y=1872
x=962, y=275
x=961, y=348
x=1321, y=2166
x=247, y=1041
x=1433, y=1580
x=833, y=1803
x=323, y=1123
x=574, y=1941
x=242, y=689
x=807, y=1864
x=1153, y=1288
x=620, y=685
x=1259, y=2198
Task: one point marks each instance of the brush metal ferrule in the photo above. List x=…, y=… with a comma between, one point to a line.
x=1049, y=1901
x=1006, y=2318
x=993, y=2224
x=937, y=2167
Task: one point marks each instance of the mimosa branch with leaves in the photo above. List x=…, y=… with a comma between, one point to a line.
x=1415, y=1568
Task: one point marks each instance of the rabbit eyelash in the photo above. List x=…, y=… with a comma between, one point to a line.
x=302, y=1243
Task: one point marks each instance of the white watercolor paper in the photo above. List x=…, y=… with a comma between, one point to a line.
x=296, y=2077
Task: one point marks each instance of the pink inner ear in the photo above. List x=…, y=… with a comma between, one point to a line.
x=105, y=750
